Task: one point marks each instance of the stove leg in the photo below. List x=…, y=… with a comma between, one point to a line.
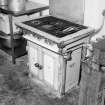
x=64, y=77
x=12, y=38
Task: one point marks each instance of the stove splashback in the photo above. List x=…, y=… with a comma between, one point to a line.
x=71, y=10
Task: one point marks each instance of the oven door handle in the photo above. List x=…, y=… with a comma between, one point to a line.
x=40, y=67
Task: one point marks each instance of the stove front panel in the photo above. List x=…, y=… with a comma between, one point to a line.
x=45, y=43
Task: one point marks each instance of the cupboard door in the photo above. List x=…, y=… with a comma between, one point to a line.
x=33, y=58
x=50, y=68
x=73, y=70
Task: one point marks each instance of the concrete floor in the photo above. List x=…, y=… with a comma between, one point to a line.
x=16, y=88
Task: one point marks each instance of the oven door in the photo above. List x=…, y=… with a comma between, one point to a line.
x=73, y=70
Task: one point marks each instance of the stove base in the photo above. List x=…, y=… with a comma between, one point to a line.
x=52, y=70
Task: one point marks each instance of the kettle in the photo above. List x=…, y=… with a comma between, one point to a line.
x=16, y=5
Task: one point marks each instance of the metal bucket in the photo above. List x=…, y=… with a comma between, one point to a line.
x=16, y=5
x=3, y=2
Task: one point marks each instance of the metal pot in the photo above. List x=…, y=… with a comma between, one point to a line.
x=3, y=2
x=16, y=5
x=7, y=42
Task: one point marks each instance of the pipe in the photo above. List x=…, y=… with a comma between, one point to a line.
x=98, y=34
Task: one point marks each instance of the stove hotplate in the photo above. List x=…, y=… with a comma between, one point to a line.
x=55, y=26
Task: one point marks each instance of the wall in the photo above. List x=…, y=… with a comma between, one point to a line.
x=46, y=2
x=93, y=12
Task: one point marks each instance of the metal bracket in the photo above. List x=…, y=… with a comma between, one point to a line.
x=68, y=56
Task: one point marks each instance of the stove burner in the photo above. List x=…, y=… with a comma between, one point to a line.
x=36, y=22
x=55, y=26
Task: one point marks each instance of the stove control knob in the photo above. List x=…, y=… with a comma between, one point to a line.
x=51, y=43
x=34, y=35
x=39, y=37
x=46, y=41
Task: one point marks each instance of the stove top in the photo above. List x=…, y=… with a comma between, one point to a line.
x=55, y=26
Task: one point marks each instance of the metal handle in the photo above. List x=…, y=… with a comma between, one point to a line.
x=67, y=56
x=40, y=67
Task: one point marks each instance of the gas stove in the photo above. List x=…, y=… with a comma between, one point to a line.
x=54, y=47
x=55, y=26
x=55, y=44
x=52, y=32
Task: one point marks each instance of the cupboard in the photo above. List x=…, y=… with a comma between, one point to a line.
x=49, y=68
